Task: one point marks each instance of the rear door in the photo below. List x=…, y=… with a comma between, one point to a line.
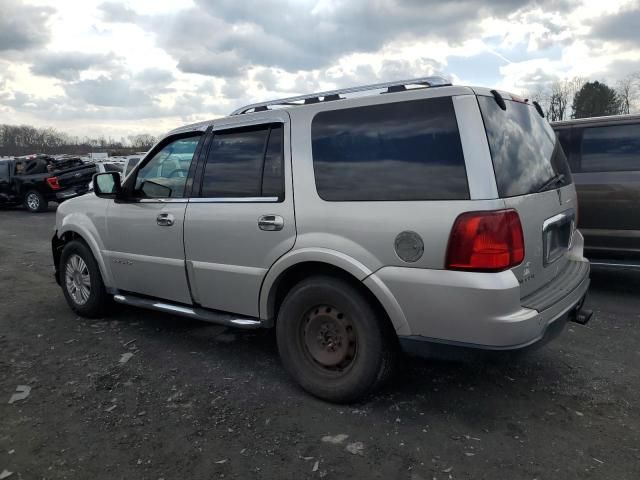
x=608, y=184
x=240, y=219
x=526, y=158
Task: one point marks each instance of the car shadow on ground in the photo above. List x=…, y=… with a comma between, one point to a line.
x=438, y=382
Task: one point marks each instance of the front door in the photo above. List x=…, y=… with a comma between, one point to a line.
x=240, y=220
x=145, y=247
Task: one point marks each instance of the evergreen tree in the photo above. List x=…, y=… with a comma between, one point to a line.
x=596, y=99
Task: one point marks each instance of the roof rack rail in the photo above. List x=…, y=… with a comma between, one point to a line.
x=391, y=87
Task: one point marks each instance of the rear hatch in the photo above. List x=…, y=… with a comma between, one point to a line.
x=77, y=178
x=533, y=178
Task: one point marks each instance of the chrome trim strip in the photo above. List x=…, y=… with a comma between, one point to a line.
x=174, y=308
x=163, y=200
x=234, y=200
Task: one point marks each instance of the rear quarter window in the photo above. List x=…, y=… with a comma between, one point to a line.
x=610, y=148
x=397, y=151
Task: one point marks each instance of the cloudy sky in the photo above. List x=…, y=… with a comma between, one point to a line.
x=123, y=67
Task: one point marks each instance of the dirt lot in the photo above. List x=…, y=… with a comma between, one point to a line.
x=196, y=401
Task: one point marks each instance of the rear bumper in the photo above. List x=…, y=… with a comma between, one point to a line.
x=62, y=195
x=480, y=310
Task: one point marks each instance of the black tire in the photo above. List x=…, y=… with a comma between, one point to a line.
x=97, y=300
x=35, y=202
x=324, y=320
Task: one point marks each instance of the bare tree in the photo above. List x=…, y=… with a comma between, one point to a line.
x=628, y=90
x=25, y=139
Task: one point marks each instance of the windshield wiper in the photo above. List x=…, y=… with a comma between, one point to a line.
x=559, y=178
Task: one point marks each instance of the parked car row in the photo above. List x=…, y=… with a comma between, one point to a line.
x=400, y=217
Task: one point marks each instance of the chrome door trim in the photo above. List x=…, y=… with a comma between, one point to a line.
x=234, y=200
x=163, y=200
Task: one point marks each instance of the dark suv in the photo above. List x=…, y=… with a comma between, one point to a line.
x=604, y=155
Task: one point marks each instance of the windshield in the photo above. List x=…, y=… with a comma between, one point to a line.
x=526, y=155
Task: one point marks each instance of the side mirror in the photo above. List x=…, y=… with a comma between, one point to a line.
x=107, y=185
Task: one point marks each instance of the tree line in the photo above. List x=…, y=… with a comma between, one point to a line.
x=16, y=140
x=577, y=98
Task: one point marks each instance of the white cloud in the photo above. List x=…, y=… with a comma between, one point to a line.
x=117, y=67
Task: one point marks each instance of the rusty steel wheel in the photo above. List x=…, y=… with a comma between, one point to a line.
x=329, y=339
x=332, y=340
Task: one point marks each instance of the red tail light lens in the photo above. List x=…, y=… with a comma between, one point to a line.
x=53, y=183
x=486, y=242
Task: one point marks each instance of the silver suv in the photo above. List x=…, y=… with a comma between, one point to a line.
x=354, y=222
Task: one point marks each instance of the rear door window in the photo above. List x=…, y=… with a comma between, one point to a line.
x=611, y=148
x=245, y=162
x=396, y=151
x=524, y=149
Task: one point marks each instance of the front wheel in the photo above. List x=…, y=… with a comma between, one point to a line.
x=35, y=202
x=332, y=341
x=81, y=280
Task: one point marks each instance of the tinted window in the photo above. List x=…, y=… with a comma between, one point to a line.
x=165, y=175
x=523, y=147
x=273, y=177
x=398, y=151
x=4, y=170
x=614, y=148
x=238, y=160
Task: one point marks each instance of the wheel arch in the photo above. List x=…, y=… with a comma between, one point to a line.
x=77, y=232
x=298, y=265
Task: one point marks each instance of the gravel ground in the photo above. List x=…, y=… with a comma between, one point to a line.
x=143, y=395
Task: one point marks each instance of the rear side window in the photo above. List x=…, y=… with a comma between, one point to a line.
x=4, y=170
x=525, y=152
x=612, y=148
x=245, y=162
x=398, y=151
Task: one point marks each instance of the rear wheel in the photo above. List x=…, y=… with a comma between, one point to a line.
x=333, y=342
x=81, y=280
x=35, y=202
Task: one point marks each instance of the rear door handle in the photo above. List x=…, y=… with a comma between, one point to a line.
x=271, y=223
x=165, y=220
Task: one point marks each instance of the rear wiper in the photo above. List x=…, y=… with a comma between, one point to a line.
x=552, y=181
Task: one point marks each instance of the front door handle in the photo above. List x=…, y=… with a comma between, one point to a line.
x=165, y=220
x=271, y=223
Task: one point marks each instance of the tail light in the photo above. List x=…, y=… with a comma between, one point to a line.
x=53, y=183
x=486, y=242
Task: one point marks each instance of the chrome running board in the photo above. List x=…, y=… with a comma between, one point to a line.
x=220, y=318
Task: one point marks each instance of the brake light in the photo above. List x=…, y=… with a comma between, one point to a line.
x=53, y=183
x=486, y=241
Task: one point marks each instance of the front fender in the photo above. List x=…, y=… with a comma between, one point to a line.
x=81, y=225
